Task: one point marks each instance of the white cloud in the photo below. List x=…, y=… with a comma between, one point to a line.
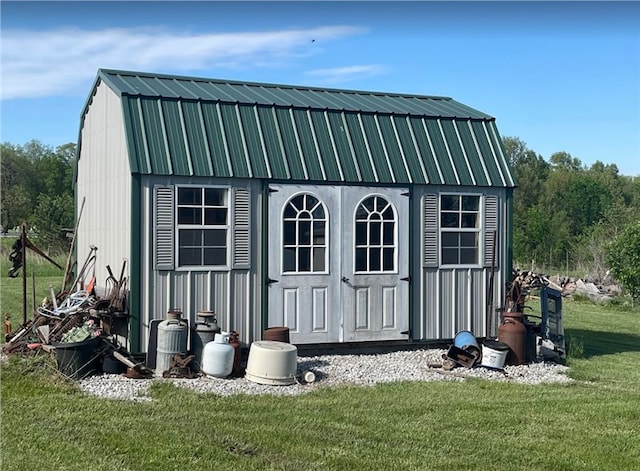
x=344, y=74
x=44, y=63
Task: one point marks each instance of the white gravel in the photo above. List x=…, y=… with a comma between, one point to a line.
x=335, y=370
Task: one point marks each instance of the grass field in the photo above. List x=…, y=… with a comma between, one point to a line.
x=590, y=424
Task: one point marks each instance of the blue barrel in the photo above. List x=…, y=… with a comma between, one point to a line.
x=466, y=341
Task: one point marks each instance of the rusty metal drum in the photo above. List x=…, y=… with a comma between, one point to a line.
x=513, y=332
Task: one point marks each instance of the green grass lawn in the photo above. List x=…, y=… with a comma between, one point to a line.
x=590, y=424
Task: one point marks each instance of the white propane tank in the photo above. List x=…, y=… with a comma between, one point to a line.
x=217, y=357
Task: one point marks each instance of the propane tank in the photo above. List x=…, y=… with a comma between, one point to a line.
x=237, y=351
x=513, y=332
x=172, y=339
x=203, y=332
x=217, y=356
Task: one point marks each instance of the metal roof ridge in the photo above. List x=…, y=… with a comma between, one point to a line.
x=107, y=72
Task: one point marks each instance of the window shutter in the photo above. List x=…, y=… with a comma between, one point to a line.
x=430, y=231
x=241, y=228
x=490, y=228
x=163, y=228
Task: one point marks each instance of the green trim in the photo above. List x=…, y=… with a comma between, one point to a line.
x=412, y=279
x=135, y=290
x=263, y=257
x=509, y=242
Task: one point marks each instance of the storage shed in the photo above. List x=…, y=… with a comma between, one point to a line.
x=347, y=216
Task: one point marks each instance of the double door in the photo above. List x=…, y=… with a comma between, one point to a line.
x=338, y=262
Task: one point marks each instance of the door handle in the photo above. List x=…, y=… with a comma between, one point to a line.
x=345, y=279
x=271, y=280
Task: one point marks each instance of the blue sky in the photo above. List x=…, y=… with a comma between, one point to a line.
x=561, y=76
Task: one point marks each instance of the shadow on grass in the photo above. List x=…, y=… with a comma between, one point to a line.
x=591, y=343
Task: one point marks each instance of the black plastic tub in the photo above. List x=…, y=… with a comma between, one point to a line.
x=78, y=360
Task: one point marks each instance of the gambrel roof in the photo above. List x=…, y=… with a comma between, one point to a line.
x=219, y=128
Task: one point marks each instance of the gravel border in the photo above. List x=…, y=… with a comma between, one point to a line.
x=334, y=370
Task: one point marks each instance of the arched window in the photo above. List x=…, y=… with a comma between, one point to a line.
x=375, y=236
x=304, y=235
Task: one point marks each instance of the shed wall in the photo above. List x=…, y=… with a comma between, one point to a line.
x=104, y=182
x=233, y=294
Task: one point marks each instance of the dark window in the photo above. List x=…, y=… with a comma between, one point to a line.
x=304, y=235
x=375, y=236
x=459, y=229
x=202, y=226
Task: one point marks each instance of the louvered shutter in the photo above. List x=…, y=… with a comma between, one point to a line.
x=490, y=228
x=430, y=231
x=241, y=230
x=163, y=228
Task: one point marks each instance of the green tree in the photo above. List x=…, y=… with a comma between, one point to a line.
x=623, y=258
x=49, y=218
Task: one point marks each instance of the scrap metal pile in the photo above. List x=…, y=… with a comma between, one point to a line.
x=70, y=309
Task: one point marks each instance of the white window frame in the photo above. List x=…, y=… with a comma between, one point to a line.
x=478, y=230
x=226, y=227
x=381, y=246
x=327, y=240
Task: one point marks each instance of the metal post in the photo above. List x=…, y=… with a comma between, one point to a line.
x=23, y=236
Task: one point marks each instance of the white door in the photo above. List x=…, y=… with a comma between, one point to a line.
x=338, y=262
x=375, y=264
x=304, y=281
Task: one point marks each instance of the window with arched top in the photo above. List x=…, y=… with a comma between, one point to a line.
x=375, y=236
x=304, y=235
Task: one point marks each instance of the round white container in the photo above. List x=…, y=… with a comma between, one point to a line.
x=217, y=357
x=494, y=354
x=272, y=362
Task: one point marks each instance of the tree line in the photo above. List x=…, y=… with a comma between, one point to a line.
x=566, y=215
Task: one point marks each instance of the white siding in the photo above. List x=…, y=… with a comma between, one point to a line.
x=104, y=180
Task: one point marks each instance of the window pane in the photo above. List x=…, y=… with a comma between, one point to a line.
x=450, y=202
x=304, y=259
x=361, y=233
x=190, y=238
x=215, y=216
x=388, y=233
x=215, y=256
x=470, y=203
x=304, y=215
x=361, y=259
x=311, y=202
x=388, y=259
x=450, y=239
x=374, y=259
x=319, y=233
x=374, y=235
x=215, y=197
x=368, y=204
x=468, y=239
x=189, y=256
x=449, y=220
x=318, y=212
x=288, y=259
x=318, y=259
x=305, y=233
x=469, y=220
x=387, y=214
x=468, y=256
x=361, y=213
x=290, y=212
x=289, y=232
x=189, y=216
x=190, y=196
x=449, y=256
x=298, y=202
x=215, y=238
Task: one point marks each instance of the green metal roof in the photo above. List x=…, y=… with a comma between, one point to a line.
x=205, y=127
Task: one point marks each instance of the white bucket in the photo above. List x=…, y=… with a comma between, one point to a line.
x=494, y=354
